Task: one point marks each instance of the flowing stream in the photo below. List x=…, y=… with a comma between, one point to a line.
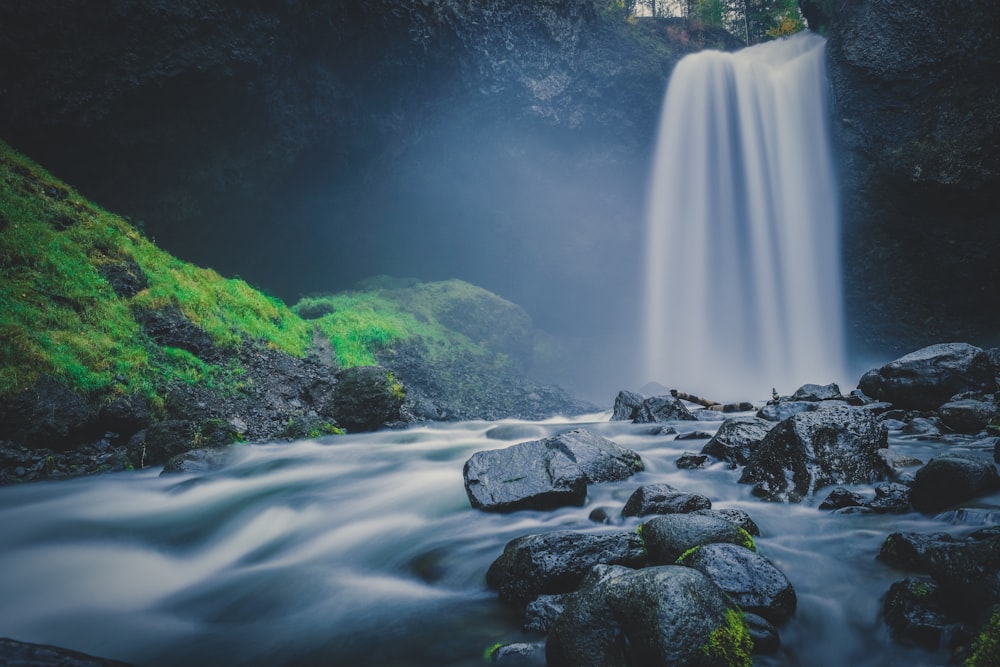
x=743, y=283
x=364, y=550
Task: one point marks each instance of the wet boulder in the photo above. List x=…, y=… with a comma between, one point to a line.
x=751, y=580
x=840, y=498
x=542, y=612
x=627, y=404
x=203, y=460
x=367, y=398
x=783, y=409
x=837, y=445
x=929, y=377
x=663, y=499
x=967, y=415
x=950, y=479
x=662, y=409
x=890, y=498
x=547, y=473
x=815, y=392
x=656, y=617
x=763, y=634
x=691, y=461
x=967, y=569
x=556, y=562
x=733, y=515
x=736, y=439
x=668, y=537
x=913, y=611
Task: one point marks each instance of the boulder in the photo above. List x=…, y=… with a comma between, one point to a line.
x=763, y=634
x=840, y=498
x=662, y=409
x=691, y=461
x=752, y=581
x=950, y=479
x=556, y=562
x=547, y=473
x=890, y=498
x=656, y=617
x=914, y=613
x=967, y=415
x=627, y=404
x=783, y=409
x=815, y=392
x=735, y=516
x=542, y=612
x=668, y=537
x=967, y=569
x=663, y=499
x=927, y=378
x=736, y=439
x=837, y=445
x=206, y=459
x=520, y=654
x=367, y=398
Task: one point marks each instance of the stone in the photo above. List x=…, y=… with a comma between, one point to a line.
x=542, y=612
x=914, y=613
x=691, y=461
x=735, y=516
x=627, y=405
x=890, y=498
x=663, y=499
x=967, y=416
x=737, y=438
x=966, y=569
x=200, y=461
x=694, y=435
x=662, y=409
x=763, y=634
x=783, y=409
x=668, y=537
x=367, y=398
x=668, y=616
x=840, y=498
x=837, y=445
x=751, y=580
x=929, y=377
x=547, y=473
x=556, y=562
x=951, y=479
x=520, y=654
x=815, y=392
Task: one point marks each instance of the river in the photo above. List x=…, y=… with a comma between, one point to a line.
x=364, y=550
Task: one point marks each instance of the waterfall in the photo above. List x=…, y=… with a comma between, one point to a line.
x=743, y=286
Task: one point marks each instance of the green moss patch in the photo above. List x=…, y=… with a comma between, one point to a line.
x=730, y=644
x=60, y=313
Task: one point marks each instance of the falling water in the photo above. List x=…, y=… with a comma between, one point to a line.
x=743, y=270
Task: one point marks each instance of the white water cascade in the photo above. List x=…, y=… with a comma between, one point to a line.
x=742, y=269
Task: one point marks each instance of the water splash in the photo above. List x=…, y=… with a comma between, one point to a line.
x=743, y=284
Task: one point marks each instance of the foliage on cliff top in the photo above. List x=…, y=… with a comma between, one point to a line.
x=61, y=316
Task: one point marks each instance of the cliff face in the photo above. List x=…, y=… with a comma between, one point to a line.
x=917, y=95
x=371, y=135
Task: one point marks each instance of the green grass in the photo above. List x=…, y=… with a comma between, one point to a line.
x=60, y=317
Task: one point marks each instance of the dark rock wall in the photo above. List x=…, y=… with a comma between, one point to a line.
x=917, y=97
x=502, y=142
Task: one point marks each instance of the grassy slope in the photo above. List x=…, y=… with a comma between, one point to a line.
x=60, y=316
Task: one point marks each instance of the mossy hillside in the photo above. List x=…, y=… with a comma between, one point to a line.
x=60, y=315
x=449, y=318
